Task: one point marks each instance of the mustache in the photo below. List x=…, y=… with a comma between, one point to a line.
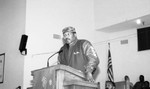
x=67, y=39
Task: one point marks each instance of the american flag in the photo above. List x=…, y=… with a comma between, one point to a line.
x=110, y=68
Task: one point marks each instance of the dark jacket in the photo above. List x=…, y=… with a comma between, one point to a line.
x=80, y=56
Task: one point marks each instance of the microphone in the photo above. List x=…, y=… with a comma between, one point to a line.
x=52, y=56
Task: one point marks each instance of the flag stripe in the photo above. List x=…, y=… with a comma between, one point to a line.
x=110, y=69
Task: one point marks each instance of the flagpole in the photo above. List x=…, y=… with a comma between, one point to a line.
x=108, y=45
x=110, y=68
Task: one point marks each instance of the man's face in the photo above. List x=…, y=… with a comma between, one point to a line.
x=109, y=86
x=69, y=37
x=141, y=78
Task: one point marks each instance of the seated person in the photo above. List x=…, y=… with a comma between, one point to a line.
x=128, y=84
x=146, y=85
x=110, y=85
x=140, y=83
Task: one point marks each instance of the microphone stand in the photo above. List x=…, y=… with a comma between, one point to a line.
x=52, y=56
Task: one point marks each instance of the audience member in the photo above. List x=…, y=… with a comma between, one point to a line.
x=128, y=84
x=140, y=84
x=110, y=85
x=146, y=83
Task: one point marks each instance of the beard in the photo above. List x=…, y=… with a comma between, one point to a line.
x=68, y=41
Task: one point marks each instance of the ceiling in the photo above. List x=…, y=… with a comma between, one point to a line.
x=131, y=24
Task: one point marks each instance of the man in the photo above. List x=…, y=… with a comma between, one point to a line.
x=78, y=54
x=110, y=85
x=140, y=84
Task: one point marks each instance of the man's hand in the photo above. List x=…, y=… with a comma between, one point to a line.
x=89, y=77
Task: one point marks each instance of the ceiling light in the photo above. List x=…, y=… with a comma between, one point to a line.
x=138, y=21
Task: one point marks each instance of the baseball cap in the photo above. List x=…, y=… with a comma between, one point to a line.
x=69, y=29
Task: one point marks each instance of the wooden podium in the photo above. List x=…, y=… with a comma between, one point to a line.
x=61, y=77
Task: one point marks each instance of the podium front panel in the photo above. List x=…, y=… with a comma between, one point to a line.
x=44, y=79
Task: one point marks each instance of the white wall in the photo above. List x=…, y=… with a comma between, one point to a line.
x=110, y=12
x=12, y=26
x=47, y=17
